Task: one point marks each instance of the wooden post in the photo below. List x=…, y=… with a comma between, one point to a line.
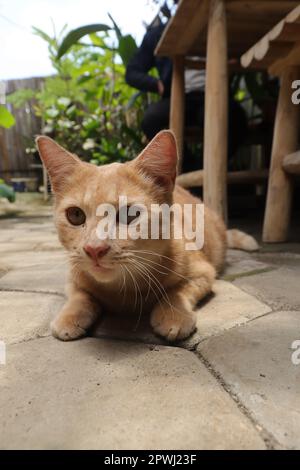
x=216, y=112
x=177, y=107
x=5, y=156
x=285, y=140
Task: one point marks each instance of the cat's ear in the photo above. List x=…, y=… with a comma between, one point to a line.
x=159, y=159
x=59, y=162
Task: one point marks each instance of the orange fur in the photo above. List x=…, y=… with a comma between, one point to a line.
x=178, y=278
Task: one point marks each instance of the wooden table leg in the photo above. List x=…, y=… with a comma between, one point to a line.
x=177, y=105
x=216, y=112
x=285, y=140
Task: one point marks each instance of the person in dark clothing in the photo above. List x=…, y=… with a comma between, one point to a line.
x=156, y=116
x=144, y=60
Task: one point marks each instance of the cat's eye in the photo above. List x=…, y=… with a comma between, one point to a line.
x=124, y=214
x=75, y=215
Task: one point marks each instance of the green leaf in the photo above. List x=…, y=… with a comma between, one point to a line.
x=116, y=27
x=96, y=40
x=127, y=48
x=21, y=96
x=7, y=192
x=43, y=35
x=73, y=36
x=6, y=118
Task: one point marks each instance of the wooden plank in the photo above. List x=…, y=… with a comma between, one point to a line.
x=190, y=18
x=291, y=163
x=285, y=141
x=13, y=142
x=196, y=178
x=290, y=60
x=4, y=153
x=276, y=44
x=177, y=105
x=248, y=21
x=216, y=112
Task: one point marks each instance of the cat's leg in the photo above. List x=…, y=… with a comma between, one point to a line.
x=174, y=317
x=76, y=316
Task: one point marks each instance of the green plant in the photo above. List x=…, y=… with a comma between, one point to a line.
x=6, y=118
x=87, y=106
x=7, y=192
x=125, y=48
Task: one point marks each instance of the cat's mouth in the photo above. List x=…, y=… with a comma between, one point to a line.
x=99, y=267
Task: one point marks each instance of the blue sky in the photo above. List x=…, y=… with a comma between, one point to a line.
x=24, y=55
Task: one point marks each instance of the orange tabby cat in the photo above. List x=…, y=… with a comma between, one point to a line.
x=144, y=275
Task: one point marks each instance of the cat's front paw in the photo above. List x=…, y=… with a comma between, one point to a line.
x=69, y=326
x=171, y=324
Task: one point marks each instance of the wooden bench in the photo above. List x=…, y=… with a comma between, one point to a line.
x=279, y=53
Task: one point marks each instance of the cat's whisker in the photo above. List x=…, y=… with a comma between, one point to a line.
x=141, y=301
x=123, y=279
x=166, y=267
x=156, y=254
x=152, y=289
x=165, y=296
x=159, y=287
x=145, y=279
x=134, y=285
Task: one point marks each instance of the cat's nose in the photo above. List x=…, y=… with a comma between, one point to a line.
x=96, y=251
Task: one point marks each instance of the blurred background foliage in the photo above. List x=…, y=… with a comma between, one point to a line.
x=87, y=106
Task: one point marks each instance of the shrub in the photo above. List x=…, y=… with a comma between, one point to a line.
x=87, y=106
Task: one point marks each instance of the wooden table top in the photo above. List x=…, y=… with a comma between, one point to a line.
x=279, y=48
x=247, y=22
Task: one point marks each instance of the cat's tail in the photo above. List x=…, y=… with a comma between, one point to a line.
x=241, y=241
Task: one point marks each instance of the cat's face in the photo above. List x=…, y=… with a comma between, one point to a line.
x=83, y=192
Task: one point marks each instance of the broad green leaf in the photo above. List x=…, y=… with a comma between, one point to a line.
x=6, y=118
x=73, y=36
x=127, y=48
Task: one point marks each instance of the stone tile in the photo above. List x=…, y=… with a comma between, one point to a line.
x=242, y=264
x=5, y=236
x=279, y=288
x=49, y=278
x=35, y=258
x=255, y=362
x=54, y=245
x=12, y=246
x=34, y=238
x=25, y=315
x=98, y=394
x=227, y=307
x=126, y=326
x=288, y=260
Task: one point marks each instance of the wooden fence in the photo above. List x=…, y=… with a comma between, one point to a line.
x=14, y=161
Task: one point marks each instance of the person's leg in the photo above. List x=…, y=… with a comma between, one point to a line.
x=238, y=126
x=156, y=118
